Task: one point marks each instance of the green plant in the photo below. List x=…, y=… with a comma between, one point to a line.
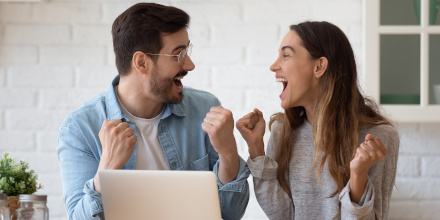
x=17, y=178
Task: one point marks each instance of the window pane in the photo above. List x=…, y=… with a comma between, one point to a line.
x=400, y=69
x=400, y=12
x=434, y=7
x=434, y=69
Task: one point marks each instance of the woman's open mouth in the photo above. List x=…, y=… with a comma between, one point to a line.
x=284, y=81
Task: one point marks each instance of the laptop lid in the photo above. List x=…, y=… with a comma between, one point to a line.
x=148, y=194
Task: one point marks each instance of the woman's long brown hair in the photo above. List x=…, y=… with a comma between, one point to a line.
x=340, y=109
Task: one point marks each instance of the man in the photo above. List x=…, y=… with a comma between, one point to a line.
x=147, y=120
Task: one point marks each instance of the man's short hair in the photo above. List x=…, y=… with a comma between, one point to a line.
x=140, y=27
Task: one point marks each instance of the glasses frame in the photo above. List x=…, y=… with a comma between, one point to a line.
x=180, y=56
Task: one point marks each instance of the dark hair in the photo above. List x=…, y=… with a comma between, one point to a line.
x=139, y=28
x=340, y=109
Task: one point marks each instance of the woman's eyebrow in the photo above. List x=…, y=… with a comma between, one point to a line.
x=287, y=47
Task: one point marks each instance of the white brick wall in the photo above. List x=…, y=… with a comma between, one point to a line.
x=56, y=54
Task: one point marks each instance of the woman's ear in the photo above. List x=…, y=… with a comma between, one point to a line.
x=321, y=65
x=141, y=62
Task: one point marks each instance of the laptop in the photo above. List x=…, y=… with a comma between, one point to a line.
x=164, y=195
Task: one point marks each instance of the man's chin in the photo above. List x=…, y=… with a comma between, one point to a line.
x=176, y=100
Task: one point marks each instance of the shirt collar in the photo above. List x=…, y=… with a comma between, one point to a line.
x=114, y=110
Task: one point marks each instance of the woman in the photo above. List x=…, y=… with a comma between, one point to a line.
x=331, y=154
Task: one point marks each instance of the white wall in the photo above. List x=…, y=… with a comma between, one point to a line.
x=55, y=54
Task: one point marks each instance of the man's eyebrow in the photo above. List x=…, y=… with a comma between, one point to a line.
x=181, y=47
x=287, y=47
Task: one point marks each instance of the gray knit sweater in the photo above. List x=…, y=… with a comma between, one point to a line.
x=310, y=198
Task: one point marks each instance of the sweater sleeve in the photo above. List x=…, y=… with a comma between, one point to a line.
x=375, y=201
x=274, y=201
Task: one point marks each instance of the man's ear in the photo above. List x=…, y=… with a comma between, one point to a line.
x=321, y=65
x=141, y=62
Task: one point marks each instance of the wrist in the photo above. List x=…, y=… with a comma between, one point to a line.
x=256, y=149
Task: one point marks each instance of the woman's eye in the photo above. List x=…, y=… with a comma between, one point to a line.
x=285, y=56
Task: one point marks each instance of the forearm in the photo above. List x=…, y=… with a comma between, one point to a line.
x=273, y=199
x=358, y=183
x=256, y=148
x=228, y=167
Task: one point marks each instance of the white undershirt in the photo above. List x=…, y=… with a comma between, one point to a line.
x=149, y=155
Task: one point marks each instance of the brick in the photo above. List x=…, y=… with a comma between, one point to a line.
x=416, y=188
x=1, y=119
x=73, y=55
x=414, y=210
x=95, y=76
x=37, y=34
x=2, y=77
x=408, y=127
x=199, y=34
x=41, y=76
x=34, y=119
x=199, y=77
x=419, y=144
x=9, y=12
x=275, y=12
x=244, y=33
x=53, y=12
x=16, y=98
x=217, y=54
x=50, y=165
x=66, y=98
x=229, y=98
x=47, y=141
x=16, y=141
x=18, y=55
x=430, y=166
x=263, y=55
x=211, y=12
x=334, y=13
x=51, y=183
x=408, y=166
x=244, y=77
x=431, y=129
x=92, y=34
x=266, y=100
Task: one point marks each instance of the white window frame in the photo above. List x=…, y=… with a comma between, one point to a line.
x=371, y=69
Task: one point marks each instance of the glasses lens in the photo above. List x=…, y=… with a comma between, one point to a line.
x=184, y=52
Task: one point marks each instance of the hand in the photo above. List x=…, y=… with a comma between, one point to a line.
x=118, y=141
x=369, y=152
x=252, y=127
x=219, y=125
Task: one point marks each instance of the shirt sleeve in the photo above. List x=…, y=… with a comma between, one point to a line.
x=375, y=201
x=267, y=188
x=78, y=167
x=234, y=196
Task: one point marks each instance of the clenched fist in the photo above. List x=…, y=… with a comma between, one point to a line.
x=219, y=125
x=117, y=141
x=367, y=154
x=252, y=127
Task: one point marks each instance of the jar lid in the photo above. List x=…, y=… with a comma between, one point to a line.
x=32, y=197
x=3, y=196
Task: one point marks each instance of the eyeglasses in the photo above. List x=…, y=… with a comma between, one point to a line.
x=180, y=56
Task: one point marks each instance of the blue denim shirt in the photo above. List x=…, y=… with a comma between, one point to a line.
x=185, y=144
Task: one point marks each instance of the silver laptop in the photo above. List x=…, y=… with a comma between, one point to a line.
x=142, y=194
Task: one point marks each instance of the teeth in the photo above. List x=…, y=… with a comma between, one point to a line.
x=281, y=80
x=178, y=78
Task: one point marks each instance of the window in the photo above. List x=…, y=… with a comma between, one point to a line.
x=402, y=57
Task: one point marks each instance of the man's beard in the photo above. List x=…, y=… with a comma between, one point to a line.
x=161, y=87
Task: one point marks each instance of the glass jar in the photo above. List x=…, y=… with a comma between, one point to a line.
x=4, y=210
x=32, y=207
